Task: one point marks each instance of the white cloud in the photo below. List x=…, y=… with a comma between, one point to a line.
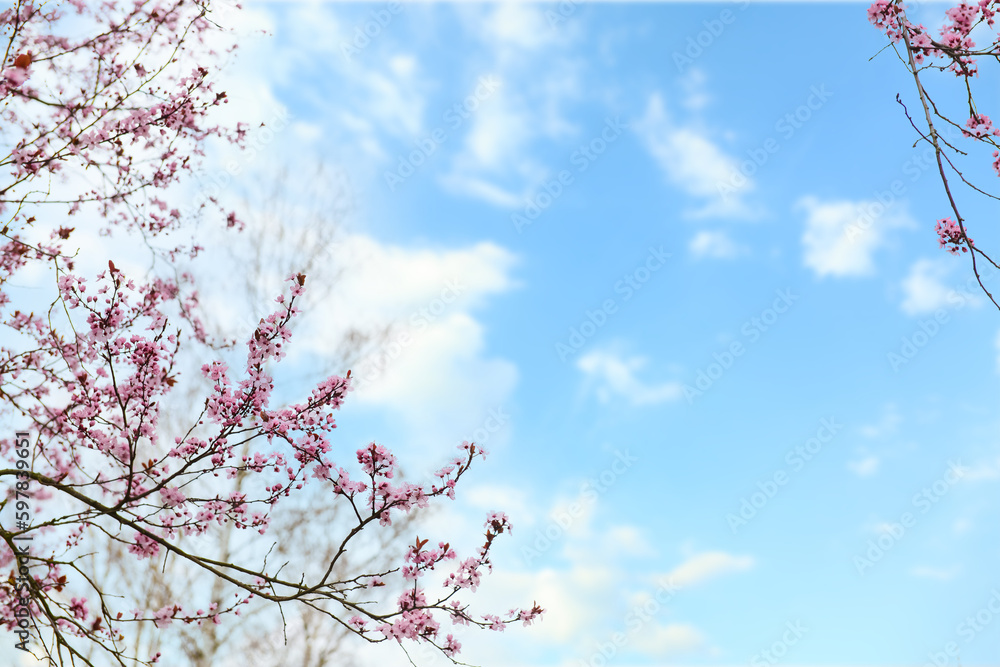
x=940, y=574
x=498, y=133
x=882, y=528
x=494, y=161
x=517, y=25
x=864, y=467
x=566, y=561
x=981, y=470
x=568, y=595
x=380, y=81
x=393, y=280
x=688, y=157
x=403, y=65
x=629, y=540
x=694, y=163
x=248, y=92
x=707, y=565
x=394, y=98
x=480, y=188
x=446, y=365
x=841, y=237
x=433, y=369
x=375, y=110
x=663, y=641
x=715, y=244
x=613, y=375
x=923, y=288
x=372, y=110
x=886, y=424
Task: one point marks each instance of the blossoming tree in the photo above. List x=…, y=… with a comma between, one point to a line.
x=105, y=108
x=953, y=51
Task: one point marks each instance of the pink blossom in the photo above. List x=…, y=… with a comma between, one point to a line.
x=164, y=616
x=15, y=76
x=78, y=606
x=172, y=496
x=951, y=237
x=144, y=547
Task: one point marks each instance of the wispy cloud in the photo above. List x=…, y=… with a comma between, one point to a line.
x=924, y=290
x=615, y=376
x=865, y=466
x=480, y=188
x=885, y=425
x=692, y=162
x=663, y=641
x=495, y=160
x=982, y=470
x=715, y=244
x=706, y=566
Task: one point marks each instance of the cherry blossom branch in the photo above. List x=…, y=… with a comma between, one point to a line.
x=957, y=47
x=125, y=112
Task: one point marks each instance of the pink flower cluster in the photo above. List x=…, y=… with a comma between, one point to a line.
x=78, y=113
x=951, y=237
x=115, y=379
x=415, y=619
x=980, y=126
x=955, y=42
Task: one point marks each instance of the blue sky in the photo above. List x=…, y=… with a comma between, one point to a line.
x=595, y=108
